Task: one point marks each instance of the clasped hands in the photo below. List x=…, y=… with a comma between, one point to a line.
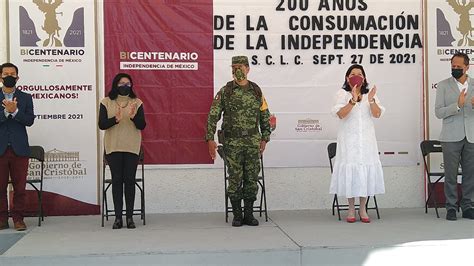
x=10, y=106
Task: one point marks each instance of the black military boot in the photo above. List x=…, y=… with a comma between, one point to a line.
x=248, y=213
x=237, y=211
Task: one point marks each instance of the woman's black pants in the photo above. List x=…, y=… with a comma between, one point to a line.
x=123, y=167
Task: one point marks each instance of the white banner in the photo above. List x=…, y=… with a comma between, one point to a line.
x=449, y=28
x=299, y=52
x=53, y=44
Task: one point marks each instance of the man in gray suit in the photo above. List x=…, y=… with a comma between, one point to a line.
x=454, y=104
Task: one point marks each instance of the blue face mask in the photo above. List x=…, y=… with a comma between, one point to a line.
x=457, y=73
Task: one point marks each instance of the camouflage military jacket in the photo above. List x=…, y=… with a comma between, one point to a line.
x=246, y=118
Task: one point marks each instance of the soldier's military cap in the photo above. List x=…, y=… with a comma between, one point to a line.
x=241, y=59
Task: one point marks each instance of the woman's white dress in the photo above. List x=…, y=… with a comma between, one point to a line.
x=357, y=168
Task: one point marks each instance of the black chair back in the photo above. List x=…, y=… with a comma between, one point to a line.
x=37, y=153
x=429, y=146
x=332, y=153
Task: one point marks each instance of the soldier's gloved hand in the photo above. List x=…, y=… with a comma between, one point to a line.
x=212, y=145
x=263, y=144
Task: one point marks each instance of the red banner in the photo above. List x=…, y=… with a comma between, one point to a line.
x=166, y=46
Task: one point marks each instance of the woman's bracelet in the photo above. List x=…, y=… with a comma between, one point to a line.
x=373, y=101
x=352, y=102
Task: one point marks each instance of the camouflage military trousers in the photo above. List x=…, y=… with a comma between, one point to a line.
x=243, y=166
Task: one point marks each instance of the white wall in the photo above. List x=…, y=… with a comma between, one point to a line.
x=3, y=31
x=202, y=190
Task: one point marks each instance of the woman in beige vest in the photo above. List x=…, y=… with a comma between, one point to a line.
x=122, y=117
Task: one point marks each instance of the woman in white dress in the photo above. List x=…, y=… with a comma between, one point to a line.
x=357, y=169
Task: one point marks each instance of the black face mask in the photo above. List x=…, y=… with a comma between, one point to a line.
x=457, y=73
x=124, y=90
x=9, y=81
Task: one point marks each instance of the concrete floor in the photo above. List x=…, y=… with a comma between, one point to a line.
x=307, y=237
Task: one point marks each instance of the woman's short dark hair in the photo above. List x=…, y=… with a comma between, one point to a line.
x=347, y=87
x=113, y=93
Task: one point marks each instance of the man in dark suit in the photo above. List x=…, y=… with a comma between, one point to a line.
x=16, y=113
x=454, y=104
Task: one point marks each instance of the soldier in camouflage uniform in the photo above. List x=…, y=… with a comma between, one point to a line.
x=246, y=129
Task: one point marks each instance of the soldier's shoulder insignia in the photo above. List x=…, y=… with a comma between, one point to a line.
x=218, y=96
x=264, y=105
